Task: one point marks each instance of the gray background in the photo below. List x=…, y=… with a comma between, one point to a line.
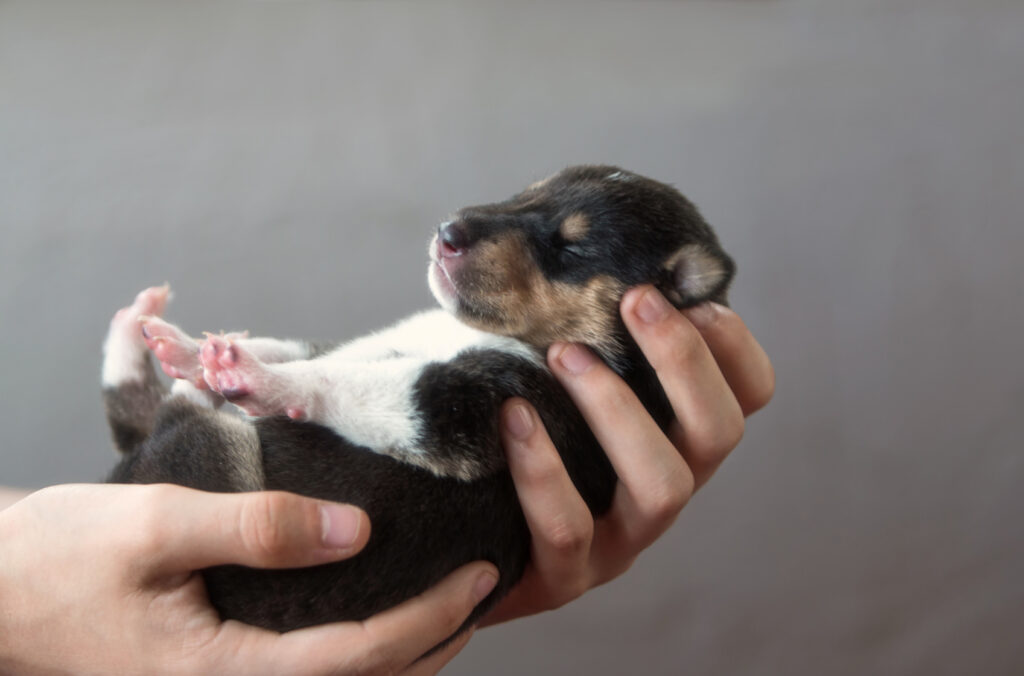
x=282, y=165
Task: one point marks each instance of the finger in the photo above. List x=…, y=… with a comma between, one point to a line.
x=740, y=357
x=430, y=665
x=386, y=643
x=710, y=420
x=188, y=529
x=654, y=480
x=560, y=523
x=399, y=636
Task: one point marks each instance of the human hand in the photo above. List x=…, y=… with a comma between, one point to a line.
x=714, y=373
x=99, y=579
x=8, y=496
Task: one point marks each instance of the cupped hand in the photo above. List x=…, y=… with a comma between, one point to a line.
x=100, y=579
x=714, y=372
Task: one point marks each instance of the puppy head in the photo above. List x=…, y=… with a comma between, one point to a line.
x=552, y=262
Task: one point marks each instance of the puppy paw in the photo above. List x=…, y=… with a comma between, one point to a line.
x=151, y=301
x=232, y=370
x=124, y=348
x=177, y=352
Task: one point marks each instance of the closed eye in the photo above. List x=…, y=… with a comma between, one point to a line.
x=572, y=251
x=567, y=251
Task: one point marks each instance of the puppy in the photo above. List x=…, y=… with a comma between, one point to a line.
x=404, y=422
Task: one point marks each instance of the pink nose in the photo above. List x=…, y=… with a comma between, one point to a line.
x=452, y=240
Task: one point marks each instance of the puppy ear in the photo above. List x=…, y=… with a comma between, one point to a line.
x=696, y=273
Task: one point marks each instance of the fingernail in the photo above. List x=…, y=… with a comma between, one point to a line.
x=701, y=315
x=340, y=526
x=519, y=422
x=652, y=307
x=483, y=586
x=576, y=359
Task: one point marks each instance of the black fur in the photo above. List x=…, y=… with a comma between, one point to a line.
x=131, y=409
x=190, y=445
x=424, y=525
x=633, y=223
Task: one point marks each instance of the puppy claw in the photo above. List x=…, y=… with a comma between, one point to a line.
x=234, y=394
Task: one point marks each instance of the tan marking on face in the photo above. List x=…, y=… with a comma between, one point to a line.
x=503, y=279
x=574, y=313
x=575, y=227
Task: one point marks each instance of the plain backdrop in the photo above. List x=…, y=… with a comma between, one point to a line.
x=283, y=164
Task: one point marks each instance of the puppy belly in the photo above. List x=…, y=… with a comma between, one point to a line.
x=424, y=526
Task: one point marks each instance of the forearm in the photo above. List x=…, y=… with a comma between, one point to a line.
x=8, y=496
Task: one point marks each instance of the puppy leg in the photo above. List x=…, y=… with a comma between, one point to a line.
x=379, y=405
x=179, y=356
x=131, y=390
x=194, y=446
x=231, y=368
x=177, y=352
x=350, y=397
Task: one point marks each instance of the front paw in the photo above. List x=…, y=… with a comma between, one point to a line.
x=241, y=378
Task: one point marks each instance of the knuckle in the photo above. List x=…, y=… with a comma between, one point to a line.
x=263, y=526
x=713, y=442
x=729, y=434
x=666, y=498
x=365, y=653
x=570, y=537
x=663, y=506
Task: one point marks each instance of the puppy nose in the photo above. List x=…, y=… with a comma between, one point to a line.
x=453, y=239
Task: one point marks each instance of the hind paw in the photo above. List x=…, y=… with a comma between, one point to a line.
x=124, y=348
x=177, y=351
x=151, y=301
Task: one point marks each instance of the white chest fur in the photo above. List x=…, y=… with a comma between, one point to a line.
x=365, y=390
x=433, y=335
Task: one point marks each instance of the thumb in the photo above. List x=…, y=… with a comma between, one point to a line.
x=260, y=530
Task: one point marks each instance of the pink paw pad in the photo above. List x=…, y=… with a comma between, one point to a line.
x=235, y=373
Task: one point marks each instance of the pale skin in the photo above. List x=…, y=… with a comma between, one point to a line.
x=715, y=374
x=100, y=578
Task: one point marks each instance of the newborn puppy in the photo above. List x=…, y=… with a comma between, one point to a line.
x=404, y=422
